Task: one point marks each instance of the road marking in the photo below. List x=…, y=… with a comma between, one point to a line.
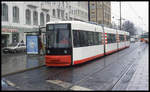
x=60, y=83
x=67, y=85
x=80, y=88
x=10, y=83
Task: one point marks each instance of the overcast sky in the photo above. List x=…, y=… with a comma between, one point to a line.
x=135, y=11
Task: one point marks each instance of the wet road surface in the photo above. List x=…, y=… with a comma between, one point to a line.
x=101, y=74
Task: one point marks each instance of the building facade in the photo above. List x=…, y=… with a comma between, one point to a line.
x=21, y=17
x=96, y=12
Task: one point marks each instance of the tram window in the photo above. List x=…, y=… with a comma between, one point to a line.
x=85, y=38
x=121, y=37
x=99, y=38
x=90, y=38
x=95, y=38
x=76, y=39
x=108, y=38
x=128, y=38
x=110, y=35
x=81, y=37
x=113, y=38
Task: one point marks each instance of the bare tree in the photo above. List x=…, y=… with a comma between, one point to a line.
x=129, y=27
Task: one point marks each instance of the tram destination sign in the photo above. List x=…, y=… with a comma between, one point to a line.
x=57, y=26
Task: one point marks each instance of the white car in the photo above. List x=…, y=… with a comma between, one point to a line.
x=13, y=48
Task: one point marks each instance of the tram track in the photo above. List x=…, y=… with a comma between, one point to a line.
x=124, y=73
x=99, y=70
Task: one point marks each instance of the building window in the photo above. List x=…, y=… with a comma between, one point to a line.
x=47, y=18
x=35, y=18
x=54, y=13
x=28, y=16
x=42, y=19
x=15, y=14
x=92, y=6
x=58, y=13
x=66, y=16
x=62, y=14
x=4, y=12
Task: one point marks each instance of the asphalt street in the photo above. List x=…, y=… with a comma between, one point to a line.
x=111, y=72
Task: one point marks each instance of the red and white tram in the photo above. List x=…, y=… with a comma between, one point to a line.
x=74, y=42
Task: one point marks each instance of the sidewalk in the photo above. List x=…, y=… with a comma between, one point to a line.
x=140, y=80
x=14, y=63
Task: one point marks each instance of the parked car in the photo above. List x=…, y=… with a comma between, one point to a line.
x=13, y=48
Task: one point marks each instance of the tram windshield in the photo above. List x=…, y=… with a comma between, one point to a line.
x=58, y=36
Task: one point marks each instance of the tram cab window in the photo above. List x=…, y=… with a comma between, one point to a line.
x=58, y=36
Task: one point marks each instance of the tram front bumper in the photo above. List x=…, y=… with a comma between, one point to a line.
x=58, y=60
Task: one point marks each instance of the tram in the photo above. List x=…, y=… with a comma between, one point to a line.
x=144, y=38
x=74, y=42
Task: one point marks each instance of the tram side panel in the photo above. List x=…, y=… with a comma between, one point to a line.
x=127, y=40
x=87, y=43
x=83, y=54
x=110, y=41
x=121, y=42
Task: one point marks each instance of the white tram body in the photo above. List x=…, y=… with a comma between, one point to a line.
x=127, y=39
x=86, y=42
x=121, y=42
x=83, y=54
x=110, y=46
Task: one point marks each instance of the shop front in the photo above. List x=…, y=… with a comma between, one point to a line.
x=9, y=36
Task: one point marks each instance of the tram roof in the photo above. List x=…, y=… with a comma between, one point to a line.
x=89, y=23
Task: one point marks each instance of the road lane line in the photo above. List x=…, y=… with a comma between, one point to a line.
x=60, y=83
x=80, y=88
x=10, y=83
x=67, y=85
